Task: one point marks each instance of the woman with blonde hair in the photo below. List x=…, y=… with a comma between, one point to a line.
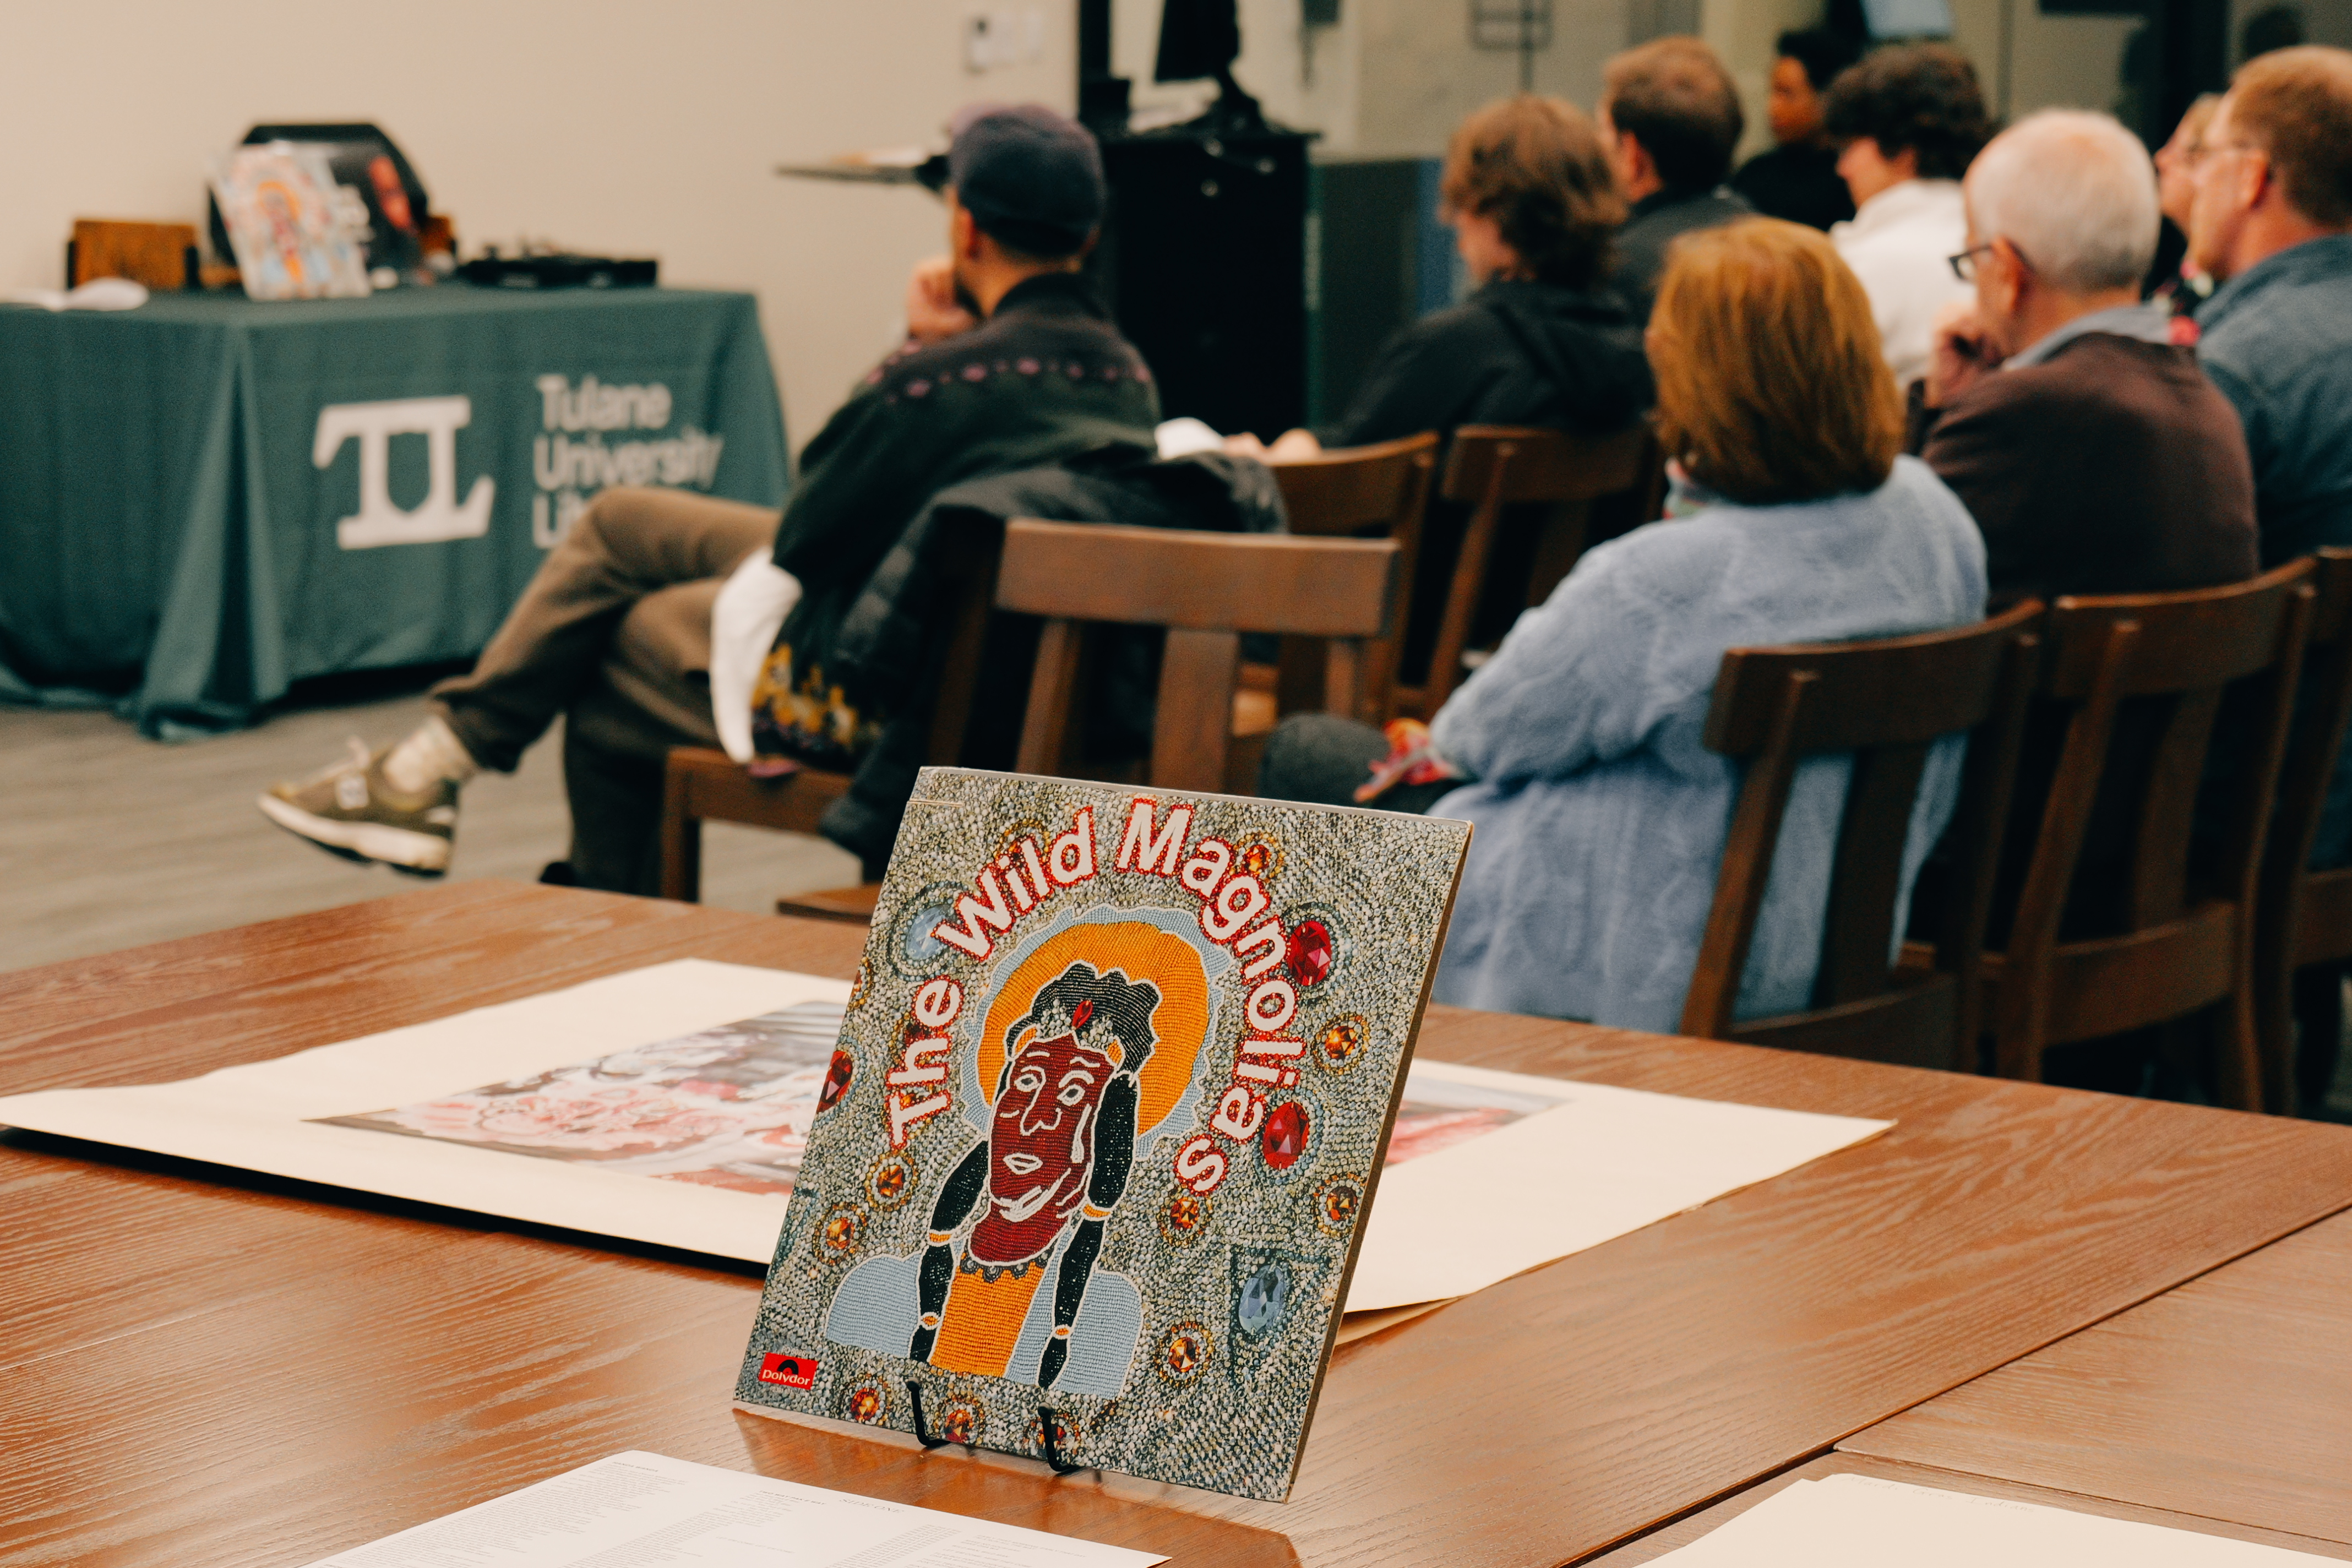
x=1601, y=819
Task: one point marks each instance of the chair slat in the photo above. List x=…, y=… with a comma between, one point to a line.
x=1208, y=581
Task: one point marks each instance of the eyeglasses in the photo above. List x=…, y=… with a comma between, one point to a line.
x=1964, y=265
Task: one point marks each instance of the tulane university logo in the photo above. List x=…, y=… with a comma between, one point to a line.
x=589, y=439
x=435, y=519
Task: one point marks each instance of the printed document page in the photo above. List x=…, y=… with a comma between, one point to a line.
x=645, y=1511
x=1492, y=1174
x=1862, y=1522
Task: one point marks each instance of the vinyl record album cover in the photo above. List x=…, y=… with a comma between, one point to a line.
x=291, y=227
x=1119, y=1067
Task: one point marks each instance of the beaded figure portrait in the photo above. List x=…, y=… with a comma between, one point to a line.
x=1118, y=1070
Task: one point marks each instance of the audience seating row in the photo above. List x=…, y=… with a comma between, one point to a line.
x=2100, y=900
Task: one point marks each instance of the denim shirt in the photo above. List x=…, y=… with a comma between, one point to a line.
x=2277, y=341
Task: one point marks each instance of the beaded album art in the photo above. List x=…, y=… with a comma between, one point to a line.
x=1120, y=1067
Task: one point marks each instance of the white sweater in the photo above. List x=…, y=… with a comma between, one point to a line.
x=1899, y=244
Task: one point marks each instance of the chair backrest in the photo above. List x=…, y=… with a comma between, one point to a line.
x=1360, y=490
x=2325, y=714
x=2304, y=916
x=1492, y=468
x=1887, y=703
x=162, y=256
x=1206, y=589
x=2138, y=682
x=1366, y=492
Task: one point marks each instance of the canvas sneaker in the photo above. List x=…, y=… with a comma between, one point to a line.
x=351, y=810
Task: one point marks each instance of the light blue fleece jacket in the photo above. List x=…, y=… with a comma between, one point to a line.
x=1601, y=819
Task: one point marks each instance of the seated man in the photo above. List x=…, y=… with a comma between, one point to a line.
x=1010, y=366
x=1670, y=119
x=1908, y=119
x=2094, y=454
x=1798, y=178
x=2272, y=222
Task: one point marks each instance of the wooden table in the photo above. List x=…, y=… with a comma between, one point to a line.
x=2230, y=1398
x=1685, y=1531
x=205, y=1367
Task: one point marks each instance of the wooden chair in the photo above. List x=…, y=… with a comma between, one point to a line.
x=162, y=256
x=701, y=784
x=1885, y=702
x=1362, y=492
x=2138, y=682
x=1495, y=466
x=1206, y=589
x=2303, y=935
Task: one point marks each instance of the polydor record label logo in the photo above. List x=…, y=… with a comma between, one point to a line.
x=791, y=1371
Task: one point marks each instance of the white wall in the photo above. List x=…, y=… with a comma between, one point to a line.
x=612, y=127
x=1391, y=79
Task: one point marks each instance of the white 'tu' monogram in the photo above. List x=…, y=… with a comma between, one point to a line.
x=437, y=518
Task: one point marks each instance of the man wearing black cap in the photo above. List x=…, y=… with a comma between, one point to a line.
x=651, y=624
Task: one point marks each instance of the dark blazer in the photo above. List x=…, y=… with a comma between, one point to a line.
x=1657, y=221
x=2113, y=466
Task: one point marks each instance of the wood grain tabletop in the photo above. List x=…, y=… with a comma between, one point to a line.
x=205, y=1366
x=2228, y=1397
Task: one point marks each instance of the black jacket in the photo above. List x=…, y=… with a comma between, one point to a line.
x=1658, y=220
x=1044, y=379
x=1516, y=353
x=886, y=652
x=1800, y=183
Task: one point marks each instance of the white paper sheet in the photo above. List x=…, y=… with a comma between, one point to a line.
x=1583, y=1164
x=1862, y=1522
x=640, y=1511
x=258, y=1118
x=1599, y=1163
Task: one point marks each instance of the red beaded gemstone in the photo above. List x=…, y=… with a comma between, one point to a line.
x=1285, y=1136
x=837, y=1081
x=1310, y=951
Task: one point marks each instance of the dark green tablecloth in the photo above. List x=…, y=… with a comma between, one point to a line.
x=181, y=485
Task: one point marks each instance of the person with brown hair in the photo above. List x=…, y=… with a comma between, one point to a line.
x=1542, y=342
x=1601, y=818
x=1910, y=119
x=1671, y=119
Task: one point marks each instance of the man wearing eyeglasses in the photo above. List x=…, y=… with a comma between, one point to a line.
x=2273, y=221
x=2094, y=455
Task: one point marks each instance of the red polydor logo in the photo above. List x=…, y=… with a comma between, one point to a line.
x=791, y=1371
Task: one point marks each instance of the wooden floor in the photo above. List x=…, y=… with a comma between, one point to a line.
x=107, y=840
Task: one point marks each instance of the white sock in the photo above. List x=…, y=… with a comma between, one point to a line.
x=431, y=754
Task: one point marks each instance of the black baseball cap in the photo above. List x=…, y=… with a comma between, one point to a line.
x=1032, y=179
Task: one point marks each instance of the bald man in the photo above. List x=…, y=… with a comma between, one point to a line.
x=2092, y=451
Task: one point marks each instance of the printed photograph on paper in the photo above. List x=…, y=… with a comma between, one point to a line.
x=729, y=1107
